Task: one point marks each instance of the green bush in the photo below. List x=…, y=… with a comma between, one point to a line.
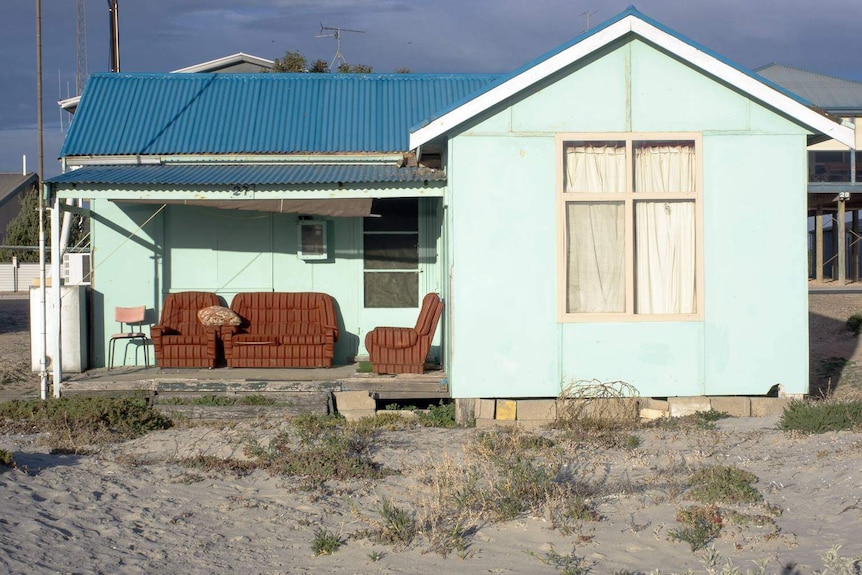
x=820, y=417
x=78, y=421
x=854, y=323
x=698, y=526
x=723, y=484
x=325, y=542
x=442, y=415
x=6, y=459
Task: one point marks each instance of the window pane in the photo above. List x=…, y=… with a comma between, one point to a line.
x=664, y=167
x=595, y=267
x=391, y=251
x=665, y=257
x=393, y=215
x=391, y=289
x=595, y=167
x=313, y=239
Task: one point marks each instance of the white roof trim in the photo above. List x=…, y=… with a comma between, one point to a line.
x=590, y=44
x=70, y=103
x=225, y=61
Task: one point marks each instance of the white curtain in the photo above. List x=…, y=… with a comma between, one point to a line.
x=668, y=169
x=665, y=231
x=595, y=231
x=596, y=169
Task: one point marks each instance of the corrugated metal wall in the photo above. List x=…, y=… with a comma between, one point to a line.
x=20, y=280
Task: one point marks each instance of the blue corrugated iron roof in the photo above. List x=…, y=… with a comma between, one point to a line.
x=143, y=114
x=245, y=174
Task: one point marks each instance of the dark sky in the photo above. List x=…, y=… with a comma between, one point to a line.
x=422, y=35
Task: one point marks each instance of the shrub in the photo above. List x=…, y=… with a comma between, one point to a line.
x=6, y=459
x=723, y=484
x=325, y=542
x=442, y=415
x=219, y=400
x=854, y=323
x=700, y=525
x=598, y=413
x=399, y=525
x=320, y=448
x=77, y=421
x=819, y=417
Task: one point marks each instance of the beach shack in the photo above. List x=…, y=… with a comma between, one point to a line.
x=602, y=213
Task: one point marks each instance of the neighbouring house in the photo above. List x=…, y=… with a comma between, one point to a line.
x=599, y=214
x=13, y=187
x=834, y=173
x=239, y=63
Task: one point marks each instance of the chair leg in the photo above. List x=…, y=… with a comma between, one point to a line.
x=111, y=346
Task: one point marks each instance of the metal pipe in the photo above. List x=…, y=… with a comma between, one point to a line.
x=43, y=327
x=114, y=14
x=57, y=358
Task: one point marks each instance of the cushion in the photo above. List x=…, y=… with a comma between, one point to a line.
x=215, y=316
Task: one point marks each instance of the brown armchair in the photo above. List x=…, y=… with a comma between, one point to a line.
x=404, y=349
x=180, y=340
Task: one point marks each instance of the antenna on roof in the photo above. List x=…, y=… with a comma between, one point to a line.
x=336, y=33
x=587, y=14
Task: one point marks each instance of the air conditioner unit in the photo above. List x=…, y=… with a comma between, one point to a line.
x=76, y=269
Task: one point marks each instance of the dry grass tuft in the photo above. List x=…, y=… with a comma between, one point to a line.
x=599, y=413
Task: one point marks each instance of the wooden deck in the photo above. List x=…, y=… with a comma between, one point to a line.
x=285, y=383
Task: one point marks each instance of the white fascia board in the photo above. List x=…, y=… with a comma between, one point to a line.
x=225, y=61
x=755, y=88
x=696, y=57
x=162, y=192
x=69, y=103
x=520, y=82
x=198, y=159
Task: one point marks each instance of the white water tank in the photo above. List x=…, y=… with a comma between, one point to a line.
x=73, y=325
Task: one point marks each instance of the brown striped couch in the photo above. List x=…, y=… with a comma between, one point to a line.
x=282, y=329
x=404, y=349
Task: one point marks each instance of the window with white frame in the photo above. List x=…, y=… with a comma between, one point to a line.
x=629, y=225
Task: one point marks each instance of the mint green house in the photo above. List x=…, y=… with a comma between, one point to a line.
x=601, y=213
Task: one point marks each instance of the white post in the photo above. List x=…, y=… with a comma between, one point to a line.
x=56, y=258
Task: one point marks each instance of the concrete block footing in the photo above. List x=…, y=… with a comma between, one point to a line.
x=538, y=412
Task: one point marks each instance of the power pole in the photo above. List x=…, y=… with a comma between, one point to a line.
x=43, y=329
x=114, y=14
x=83, y=65
x=336, y=33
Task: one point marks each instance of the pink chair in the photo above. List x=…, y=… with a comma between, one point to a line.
x=129, y=317
x=404, y=349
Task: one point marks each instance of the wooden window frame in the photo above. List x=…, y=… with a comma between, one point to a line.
x=628, y=198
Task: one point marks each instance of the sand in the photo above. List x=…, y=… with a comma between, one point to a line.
x=134, y=508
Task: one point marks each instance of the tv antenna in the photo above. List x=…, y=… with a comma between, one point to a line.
x=587, y=15
x=328, y=32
